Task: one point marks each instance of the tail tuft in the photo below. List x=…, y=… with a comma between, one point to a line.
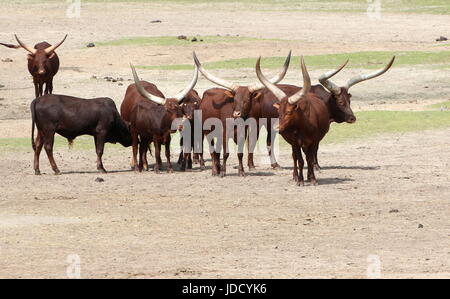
x=70, y=143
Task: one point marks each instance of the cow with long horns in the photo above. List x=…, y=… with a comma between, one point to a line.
x=43, y=64
x=152, y=120
x=337, y=99
x=231, y=101
x=304, y=121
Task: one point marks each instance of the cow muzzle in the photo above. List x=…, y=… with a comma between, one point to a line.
x=351, y=120
x=237, y=114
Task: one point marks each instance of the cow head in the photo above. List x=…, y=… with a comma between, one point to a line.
x=341, y=98
x=242, y=96
x=190, y=103
x=38, y=57
x=172, y=105
x=288, y=105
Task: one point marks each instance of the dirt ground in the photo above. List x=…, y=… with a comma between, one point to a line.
x=386, y=196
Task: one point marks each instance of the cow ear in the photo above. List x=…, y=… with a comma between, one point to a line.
x=229, y=94
x=30, y=57
x=277, y=106
x=257, y=96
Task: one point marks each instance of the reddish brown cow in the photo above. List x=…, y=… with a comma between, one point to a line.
x=43, y=64
x=304, y=121
x=337, y=100
x=232, y=101
x=153, y=121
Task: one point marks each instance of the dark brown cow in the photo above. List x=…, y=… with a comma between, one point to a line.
x=232, y=101
x=72, y=117
x=153, y=121
x=191, y=102
x=43, y=64
x=337, y=100
x=304, y=121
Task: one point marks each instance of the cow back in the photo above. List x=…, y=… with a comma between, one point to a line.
x=132, y=96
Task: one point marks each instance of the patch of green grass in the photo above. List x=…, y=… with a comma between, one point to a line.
x=365, y=60
x=174, y=41
x=444, y=105
x=81, y=143
x=368, y=124
x=372, y=123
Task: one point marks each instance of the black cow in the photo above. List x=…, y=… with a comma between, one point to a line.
x=71, y=117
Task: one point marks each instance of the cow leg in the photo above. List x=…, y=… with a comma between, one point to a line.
x=99, y=148
x=158, y=164
x=298, y=165
x=48, y=145
x=189, y=160
x=196, y=159
x=46, y=88
x=226, y=154
x=294, y=158
x=144, y=157
x=309, y=152
x=36, y=88
x=37, y=152
x=269, y=142
x=251, y=149
x=50, y=86
x=41, y=87
x=143, y=146
x=134, y=145
x=316, y=161
x=241, y=164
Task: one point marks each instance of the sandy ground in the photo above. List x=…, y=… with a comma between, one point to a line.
x=372, y=196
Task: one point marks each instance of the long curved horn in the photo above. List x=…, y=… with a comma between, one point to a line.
x=328, y=84
x=31, y=50
x=143, y=92
x=212, y=78
x=272, y=87
x=275, y=79
x=306, y=85
x=10, y=46
x=361, y=78
x=183, y=93
x=53, y=48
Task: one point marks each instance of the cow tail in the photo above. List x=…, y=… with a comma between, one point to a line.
x=33, y=122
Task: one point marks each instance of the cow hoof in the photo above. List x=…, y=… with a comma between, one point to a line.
x=102, y=170
x=37, y=172
x=251, y=168
x=313, y=182
x=57, y=172
x=242, y=174
x=276, y=166
x=223, y=174
x=301, y=183
x=170, y=170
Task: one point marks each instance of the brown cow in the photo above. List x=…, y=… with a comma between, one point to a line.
x=153, y=121
x=43, y=64
x=304, y=121
x=337, y=100
x=232, y=101
x=191, y=102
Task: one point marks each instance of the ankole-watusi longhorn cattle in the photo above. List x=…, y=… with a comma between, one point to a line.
x=152, y=120
x=304, y=121
x=43, y=64
x=191, y=103
x=71, y=117
x=232, y=101
x=337, y=99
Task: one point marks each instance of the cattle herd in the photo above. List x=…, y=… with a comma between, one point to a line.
x=302, y=115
